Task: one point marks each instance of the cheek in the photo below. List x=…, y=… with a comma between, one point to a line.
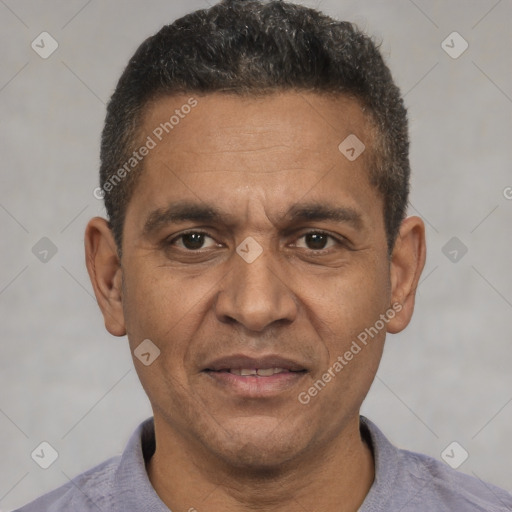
x=363, y=326
x=152, y=305
x=166, y=307
x=350, y=312
x=160, y=307
x=351, y=308
x=352, y=299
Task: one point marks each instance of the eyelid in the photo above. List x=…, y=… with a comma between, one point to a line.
x=173, y=238
x=338, y=239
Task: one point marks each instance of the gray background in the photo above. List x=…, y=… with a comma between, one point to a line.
x=65, y=380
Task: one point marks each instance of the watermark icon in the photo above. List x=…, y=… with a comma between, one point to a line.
x=507, y=193
x=454, y=249
x=454, y=45
x=44, y=45
x=304, y=397
x=454, y=455
x=249, y=249
x=351, y=147
x=44, y=250
x=44, y=455
x=152, y=141
x=147, y=352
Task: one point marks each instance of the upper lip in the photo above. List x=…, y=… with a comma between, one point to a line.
x=242, y=361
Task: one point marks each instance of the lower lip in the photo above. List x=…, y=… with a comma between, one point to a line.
x=253, y=386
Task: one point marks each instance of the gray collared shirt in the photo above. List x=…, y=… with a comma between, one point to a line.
x=404, y=481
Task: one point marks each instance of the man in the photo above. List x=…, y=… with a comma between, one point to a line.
x=255, y=173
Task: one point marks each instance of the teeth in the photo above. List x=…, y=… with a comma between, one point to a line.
x=262, y=372
x=266, y=372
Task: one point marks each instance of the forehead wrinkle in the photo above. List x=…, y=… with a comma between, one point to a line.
x=233, y=150
x=245, y=171
x=214, y=151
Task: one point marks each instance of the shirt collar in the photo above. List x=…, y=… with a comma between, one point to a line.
x=131, y=481
x=387, y=466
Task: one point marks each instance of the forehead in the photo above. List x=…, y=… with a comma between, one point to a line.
x=237, y=151
x=223, y=122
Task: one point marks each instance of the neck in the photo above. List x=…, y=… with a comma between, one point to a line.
x=334, y=477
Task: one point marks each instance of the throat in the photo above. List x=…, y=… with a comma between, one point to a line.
x=347, y=475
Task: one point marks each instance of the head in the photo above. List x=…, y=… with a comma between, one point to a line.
x=241, y=232
x=254, y=48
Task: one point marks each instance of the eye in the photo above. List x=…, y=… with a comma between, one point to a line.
x=196, y=240
x=318, y=241
x=192, y=241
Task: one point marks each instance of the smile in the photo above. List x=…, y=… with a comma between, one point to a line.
x=260, y=372
x=255, y=383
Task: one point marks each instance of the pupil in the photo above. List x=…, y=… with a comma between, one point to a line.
x=196, y=240
x=193, y=240
x=317, y=240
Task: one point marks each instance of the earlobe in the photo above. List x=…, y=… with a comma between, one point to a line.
x=105, y=272
x=407, y=262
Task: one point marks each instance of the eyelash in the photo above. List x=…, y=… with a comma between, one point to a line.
x=339, y=241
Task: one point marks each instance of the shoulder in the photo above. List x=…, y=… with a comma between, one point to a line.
x=91, y=490
x=409, y=481
x=118, y=484
x=444, y=488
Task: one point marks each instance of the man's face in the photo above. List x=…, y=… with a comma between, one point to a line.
x=271, y=168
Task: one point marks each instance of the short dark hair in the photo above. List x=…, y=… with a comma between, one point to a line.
x=254, y=47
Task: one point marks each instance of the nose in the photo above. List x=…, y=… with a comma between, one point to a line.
x=255, y=295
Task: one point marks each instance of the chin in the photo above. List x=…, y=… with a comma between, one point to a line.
x=259, y=445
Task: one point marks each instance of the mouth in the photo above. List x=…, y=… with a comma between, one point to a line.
x=253, y=377
x=258, y=372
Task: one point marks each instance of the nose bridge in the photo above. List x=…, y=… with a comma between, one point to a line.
x=253, y=293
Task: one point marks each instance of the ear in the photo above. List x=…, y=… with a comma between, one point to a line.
x=105, y=272
x=407, y=262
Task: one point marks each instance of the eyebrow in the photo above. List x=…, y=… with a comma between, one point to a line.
x=181, y=211
x=321, y=211
x=186, y=211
